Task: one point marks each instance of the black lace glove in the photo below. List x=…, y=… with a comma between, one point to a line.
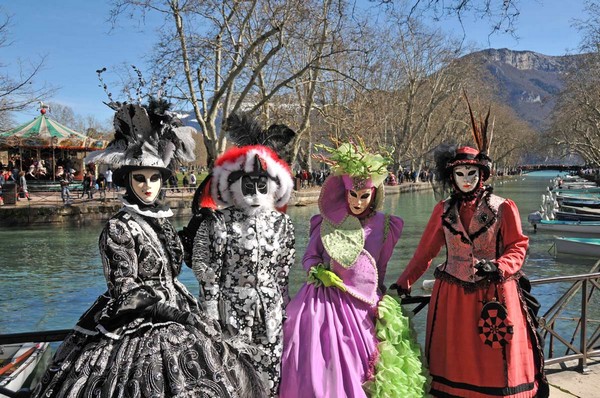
x=401, y=291
x=487, y=269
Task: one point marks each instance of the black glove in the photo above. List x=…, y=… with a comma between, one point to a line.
x=163, y=312
x=187, y=234
x=487, y=269
x=401, y=291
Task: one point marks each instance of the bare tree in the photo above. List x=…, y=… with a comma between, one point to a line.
x=502, y=16
x=576, y=123
x=233, y=54
x=18, y=90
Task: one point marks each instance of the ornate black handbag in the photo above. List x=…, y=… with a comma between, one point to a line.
x=495, y=329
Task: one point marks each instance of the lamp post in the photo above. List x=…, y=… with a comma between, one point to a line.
x=53, y=141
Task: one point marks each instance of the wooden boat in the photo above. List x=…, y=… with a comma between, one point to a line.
x=572, y=216
x=580, y=227
x=576, y=191
x=577, y=185
x=578, y=246
x=580, y=209
x=581, y=202
x=18, y=362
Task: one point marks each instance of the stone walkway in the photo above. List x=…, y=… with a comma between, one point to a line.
x=569, y=383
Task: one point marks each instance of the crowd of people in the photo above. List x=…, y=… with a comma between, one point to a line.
x=343, y=334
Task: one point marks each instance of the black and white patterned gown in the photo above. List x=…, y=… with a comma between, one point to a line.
x=242, y=262
x=146, y=336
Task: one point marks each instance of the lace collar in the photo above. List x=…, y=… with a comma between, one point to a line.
x=154, y=212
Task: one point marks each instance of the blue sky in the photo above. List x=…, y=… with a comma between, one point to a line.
x=76, y=39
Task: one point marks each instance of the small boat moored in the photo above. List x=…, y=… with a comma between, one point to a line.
x=578, y=227
x=578, y=246
x=17, y=364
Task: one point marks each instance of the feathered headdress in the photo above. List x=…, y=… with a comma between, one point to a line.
x=147, y=136
x=355, y=161
x=258, y=152
x=243, y=130
x=353, y=167
x=483, y=137
x=470, y=156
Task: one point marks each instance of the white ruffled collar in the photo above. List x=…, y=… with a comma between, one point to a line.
x=148, y=212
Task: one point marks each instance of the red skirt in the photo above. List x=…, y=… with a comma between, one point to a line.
x=461, y=365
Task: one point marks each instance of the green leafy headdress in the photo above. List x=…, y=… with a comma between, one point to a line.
x=353, y=167
x=364, y=168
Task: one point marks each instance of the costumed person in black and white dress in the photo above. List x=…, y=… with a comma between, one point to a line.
x=243, y=254
x=146, y=336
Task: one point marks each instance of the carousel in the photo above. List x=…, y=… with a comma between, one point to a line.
x=43, y=145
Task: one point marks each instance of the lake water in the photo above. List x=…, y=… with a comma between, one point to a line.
x=50, y=275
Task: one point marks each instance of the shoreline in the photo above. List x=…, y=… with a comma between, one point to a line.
x=47, y=208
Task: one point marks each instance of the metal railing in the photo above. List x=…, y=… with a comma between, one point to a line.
x=554, y=335
x=50, y=195
x=583, y=343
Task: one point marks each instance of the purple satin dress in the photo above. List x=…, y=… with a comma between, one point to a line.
x=329, y=335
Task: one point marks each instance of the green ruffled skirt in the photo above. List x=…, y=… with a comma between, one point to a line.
x=399, y=369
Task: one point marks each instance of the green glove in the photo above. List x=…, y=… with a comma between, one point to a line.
x=320, y=275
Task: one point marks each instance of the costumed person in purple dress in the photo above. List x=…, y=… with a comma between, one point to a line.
x=146, y=336
x=343, y=337
x=481, y=339
x=243, y=253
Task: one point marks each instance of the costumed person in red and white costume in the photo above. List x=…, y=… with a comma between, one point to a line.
x=242, y=256
x=146, y=336
x=474, y=351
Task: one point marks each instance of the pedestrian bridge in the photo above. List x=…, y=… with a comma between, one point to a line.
x=527, y=168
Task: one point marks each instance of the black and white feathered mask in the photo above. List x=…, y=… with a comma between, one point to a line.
x=253, y=176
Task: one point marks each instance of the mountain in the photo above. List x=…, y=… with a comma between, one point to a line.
x=527, y=81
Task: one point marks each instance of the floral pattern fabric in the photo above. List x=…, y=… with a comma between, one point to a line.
x=242, y=262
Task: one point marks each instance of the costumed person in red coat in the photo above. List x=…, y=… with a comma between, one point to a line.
x=481, y=339
x=242, y=251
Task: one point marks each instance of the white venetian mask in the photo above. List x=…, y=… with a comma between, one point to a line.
x=146, y=184
x=466, y=177
x=359, y=200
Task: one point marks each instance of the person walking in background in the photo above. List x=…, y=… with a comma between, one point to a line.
x=64, y=180
x=2, y=181
x=185, y=181
x=193, y=181
x=108, y=174
x=101, y=184
x=87, y=185
x=334, y=344
x=481, y=339
x=22, y=184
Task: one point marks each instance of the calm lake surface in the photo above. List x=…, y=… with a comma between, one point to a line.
x=51, y=275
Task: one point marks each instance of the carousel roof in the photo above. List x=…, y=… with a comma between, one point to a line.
x=43, y=132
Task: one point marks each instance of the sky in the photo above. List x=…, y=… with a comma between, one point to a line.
x=76, y=40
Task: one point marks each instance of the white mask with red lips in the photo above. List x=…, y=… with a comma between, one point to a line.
x=146, y=184
x=466, y=178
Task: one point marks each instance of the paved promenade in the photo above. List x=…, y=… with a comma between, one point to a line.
x=565, y=382
x=568, y=383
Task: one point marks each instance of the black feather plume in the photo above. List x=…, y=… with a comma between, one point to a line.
x=244, y=130
x=443, y=154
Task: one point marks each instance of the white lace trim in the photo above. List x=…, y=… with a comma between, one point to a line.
x=147, y=212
